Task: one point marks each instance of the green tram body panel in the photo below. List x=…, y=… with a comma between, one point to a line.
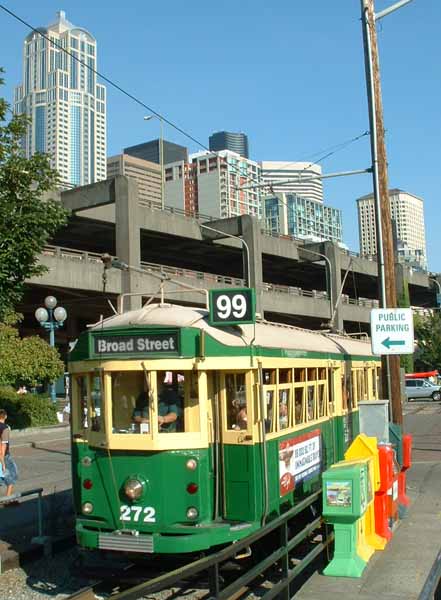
x=165, y=476
x=166, y=480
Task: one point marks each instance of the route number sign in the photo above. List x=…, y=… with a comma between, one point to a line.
x=392, y=331
x=233, y=306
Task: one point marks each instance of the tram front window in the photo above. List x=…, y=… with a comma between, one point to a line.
x=130, y=402
x=176, y=401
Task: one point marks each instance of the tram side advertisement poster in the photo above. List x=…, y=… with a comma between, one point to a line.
x=299, y=459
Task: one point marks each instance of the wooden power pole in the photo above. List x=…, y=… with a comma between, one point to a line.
x=384, y=236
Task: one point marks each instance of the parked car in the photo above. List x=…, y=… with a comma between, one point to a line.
x=422, y=388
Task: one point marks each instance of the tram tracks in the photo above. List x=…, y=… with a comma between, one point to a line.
x=284, y=567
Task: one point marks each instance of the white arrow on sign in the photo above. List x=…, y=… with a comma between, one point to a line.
x=392, y=331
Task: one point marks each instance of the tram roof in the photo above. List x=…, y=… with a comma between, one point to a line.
x=263, y=334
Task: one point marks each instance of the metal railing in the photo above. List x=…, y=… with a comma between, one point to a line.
x=207, y=278
x=36, y=491
x=279, y=555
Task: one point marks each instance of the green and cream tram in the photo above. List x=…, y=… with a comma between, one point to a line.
x=186, y=436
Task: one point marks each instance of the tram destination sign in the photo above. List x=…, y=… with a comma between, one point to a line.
x=233, y=306
x=392, y=331
x=144, y=343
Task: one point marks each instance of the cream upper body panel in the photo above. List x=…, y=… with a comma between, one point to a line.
x=263, y=334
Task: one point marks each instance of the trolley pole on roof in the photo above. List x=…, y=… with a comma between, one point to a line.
x=383, y=224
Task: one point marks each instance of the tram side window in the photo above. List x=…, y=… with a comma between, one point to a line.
x=284, y=408
x=322, y=393
x=96, y=404
x=311, y=394
x=269, y=386
x=365, y=384
x=299, y=395
x=178, y=402
x=236, y=402
x=374, y=384
x=331, y=398
x=130, y=402
x=299, y=402
x=81, y=402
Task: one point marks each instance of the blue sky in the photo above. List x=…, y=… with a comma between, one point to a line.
x=289, y=73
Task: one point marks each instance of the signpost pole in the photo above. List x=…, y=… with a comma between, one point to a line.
x=384, y=237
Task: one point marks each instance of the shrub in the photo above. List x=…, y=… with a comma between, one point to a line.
x=27, y=410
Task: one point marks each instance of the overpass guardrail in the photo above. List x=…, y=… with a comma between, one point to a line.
x=209, y=278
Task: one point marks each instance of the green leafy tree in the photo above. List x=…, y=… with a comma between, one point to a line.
x=403, y=301
x=27, y=221
x=29, y=361
x=428, y=339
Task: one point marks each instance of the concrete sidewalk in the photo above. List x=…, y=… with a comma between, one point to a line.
x=21, y=438
x=413, y=556
x=43, y=459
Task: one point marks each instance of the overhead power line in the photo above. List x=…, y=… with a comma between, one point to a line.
x=106, y=79
x=333, y=149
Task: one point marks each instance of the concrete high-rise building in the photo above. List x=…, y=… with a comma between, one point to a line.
x=152, y=151
x=181, y=190
x=292, y=177
x=290, y=214
x=218, y=176
x=225, y=140
x=66, y=104
x=146, y=173
x=407, y=213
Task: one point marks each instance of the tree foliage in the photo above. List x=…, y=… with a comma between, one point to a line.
x=403, y=301
x=26, y=221
x=428, y=339
x=29, y=361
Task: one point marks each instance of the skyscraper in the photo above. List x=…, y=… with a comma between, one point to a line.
x=152, y=151
x=302, y=218
x=225, y=140
x=407, y=213
x=297, y=174
x=66, y=104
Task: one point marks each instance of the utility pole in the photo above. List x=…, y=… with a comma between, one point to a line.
x=384, y=236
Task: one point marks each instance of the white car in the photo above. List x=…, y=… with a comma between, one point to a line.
x=422, y=388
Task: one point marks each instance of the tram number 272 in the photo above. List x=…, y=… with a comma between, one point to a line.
x=134, y=514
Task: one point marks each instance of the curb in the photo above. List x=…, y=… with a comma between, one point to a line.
x=40, y=443
x=41, y=430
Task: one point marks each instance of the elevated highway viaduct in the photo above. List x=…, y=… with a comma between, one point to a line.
x=307, y=284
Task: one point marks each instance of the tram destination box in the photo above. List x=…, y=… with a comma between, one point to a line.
x=233, y=306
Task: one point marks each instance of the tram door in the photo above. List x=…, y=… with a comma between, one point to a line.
x=228, y=399
x=215, y=437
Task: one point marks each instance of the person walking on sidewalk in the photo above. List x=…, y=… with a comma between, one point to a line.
x=8, y=474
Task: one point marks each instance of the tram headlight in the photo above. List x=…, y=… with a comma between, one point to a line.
x=133, y=489
x=192, y=464
x=87, y=508
x=192, y=513
x=86, y=461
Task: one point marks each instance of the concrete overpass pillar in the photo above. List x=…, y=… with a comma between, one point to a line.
x=333, y=253
x=128, y=236
x=250, y=231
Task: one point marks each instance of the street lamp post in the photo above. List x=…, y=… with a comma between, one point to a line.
x=51, y=318
x=161, y=152
x=438, y=296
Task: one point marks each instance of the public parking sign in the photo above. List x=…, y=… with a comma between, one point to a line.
x=392, y=331
x=233, y=306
